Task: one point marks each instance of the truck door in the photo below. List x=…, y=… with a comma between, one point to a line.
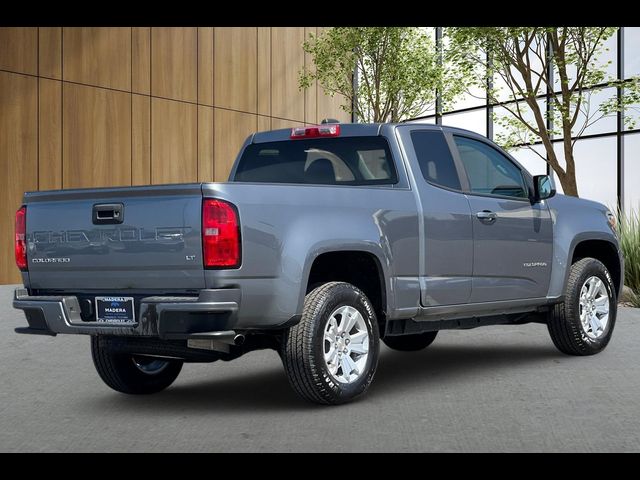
x=512, y=238
x=446, y=253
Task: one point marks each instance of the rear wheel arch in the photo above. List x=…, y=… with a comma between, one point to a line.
x=361, y=268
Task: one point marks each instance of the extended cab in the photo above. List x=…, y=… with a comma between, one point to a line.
x=324, y=241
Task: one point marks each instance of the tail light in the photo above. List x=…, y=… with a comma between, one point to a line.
x=220, y=234
x=21, y=238
x=325, y=130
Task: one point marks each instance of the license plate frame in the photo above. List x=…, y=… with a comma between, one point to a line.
x=115, y=310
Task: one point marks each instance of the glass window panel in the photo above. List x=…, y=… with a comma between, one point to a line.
x=503, y=92
x=430, y=120
x=632, y=172
x=596, y=169
x=503, y=113
x=429, y=111
x=530, y=160
x=607, y=59
x=475, y=120
x=632, y=112
x=590, y=113
x=631, y=49
x=474, y=97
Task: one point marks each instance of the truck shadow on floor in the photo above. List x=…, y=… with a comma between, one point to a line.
x=398, y=373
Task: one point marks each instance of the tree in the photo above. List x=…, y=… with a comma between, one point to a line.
x=397, y=68
x=531, y=61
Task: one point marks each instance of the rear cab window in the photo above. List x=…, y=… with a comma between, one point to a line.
x=434, y=158
x=364, y=160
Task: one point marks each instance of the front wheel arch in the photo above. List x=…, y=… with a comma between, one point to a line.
x=602, y=250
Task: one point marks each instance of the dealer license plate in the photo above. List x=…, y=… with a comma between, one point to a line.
x=115, y=310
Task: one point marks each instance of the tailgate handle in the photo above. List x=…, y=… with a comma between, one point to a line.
x=108, y=213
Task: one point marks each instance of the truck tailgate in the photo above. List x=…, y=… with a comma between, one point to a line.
x=116, y=238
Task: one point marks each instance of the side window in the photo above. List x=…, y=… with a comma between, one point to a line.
x=435, y=158
x=490, y=172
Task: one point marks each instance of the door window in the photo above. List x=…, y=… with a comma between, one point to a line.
x=435, y=158
x=489, y=171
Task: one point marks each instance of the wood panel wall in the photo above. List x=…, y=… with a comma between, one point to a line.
x=91, y=107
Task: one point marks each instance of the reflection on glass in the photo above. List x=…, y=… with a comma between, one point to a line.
x=475, y=120
x=530, y=160
x=502, y=118
x=631, y=49
x=596, y=169
x=632, y=172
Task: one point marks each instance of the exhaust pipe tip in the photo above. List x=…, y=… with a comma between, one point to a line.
x=238, y=339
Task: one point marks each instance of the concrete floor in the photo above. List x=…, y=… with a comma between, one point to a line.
x=489, y=389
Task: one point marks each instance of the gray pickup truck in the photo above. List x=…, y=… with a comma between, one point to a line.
x=325, y=240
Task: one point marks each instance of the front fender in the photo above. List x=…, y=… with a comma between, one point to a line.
x=575, y=220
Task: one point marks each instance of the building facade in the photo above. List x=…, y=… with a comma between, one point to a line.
x=93, y=107
x=607, y=155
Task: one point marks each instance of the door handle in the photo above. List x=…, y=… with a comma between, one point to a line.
x=487, y=215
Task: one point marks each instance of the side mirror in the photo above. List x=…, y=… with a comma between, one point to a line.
x=543, y=186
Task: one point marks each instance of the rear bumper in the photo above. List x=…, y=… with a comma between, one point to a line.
x=212, y=314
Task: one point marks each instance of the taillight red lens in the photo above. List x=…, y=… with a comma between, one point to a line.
x=220, y=234
x=21, y=238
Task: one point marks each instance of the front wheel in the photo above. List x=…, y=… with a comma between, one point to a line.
x=583, y=323
x=331, y=355
x=133, y=374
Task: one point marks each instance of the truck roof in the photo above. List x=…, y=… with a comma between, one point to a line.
x=352, y=130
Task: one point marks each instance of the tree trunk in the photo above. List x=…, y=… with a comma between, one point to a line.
x=568, y=182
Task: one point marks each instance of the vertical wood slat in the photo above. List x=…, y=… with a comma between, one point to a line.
x=140, y=140
x=230, y=131
x=90, y=136
x=19, y=49
x=311, y=93
x=18, y=158
x=205, y=65
x=264, y=71
x=174, y=145
x=287, y=101
x=141, y=60
x=174, y=63
x=49, y=134
x=50, y=52
x=235, y=82
x=205, y=144
x=264, y=123
x=277, y=123
x=96, y=137
x=99, y=56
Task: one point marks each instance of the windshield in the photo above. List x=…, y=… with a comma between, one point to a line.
x=324, y=161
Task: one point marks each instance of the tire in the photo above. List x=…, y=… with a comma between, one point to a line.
x=305, y=345
x=132, y=374
x=567, y=331
x=410, y=343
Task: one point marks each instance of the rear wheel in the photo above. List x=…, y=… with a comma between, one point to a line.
x=331, y=355
x=583, y=324
x=134, y=374
x=410, y=343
